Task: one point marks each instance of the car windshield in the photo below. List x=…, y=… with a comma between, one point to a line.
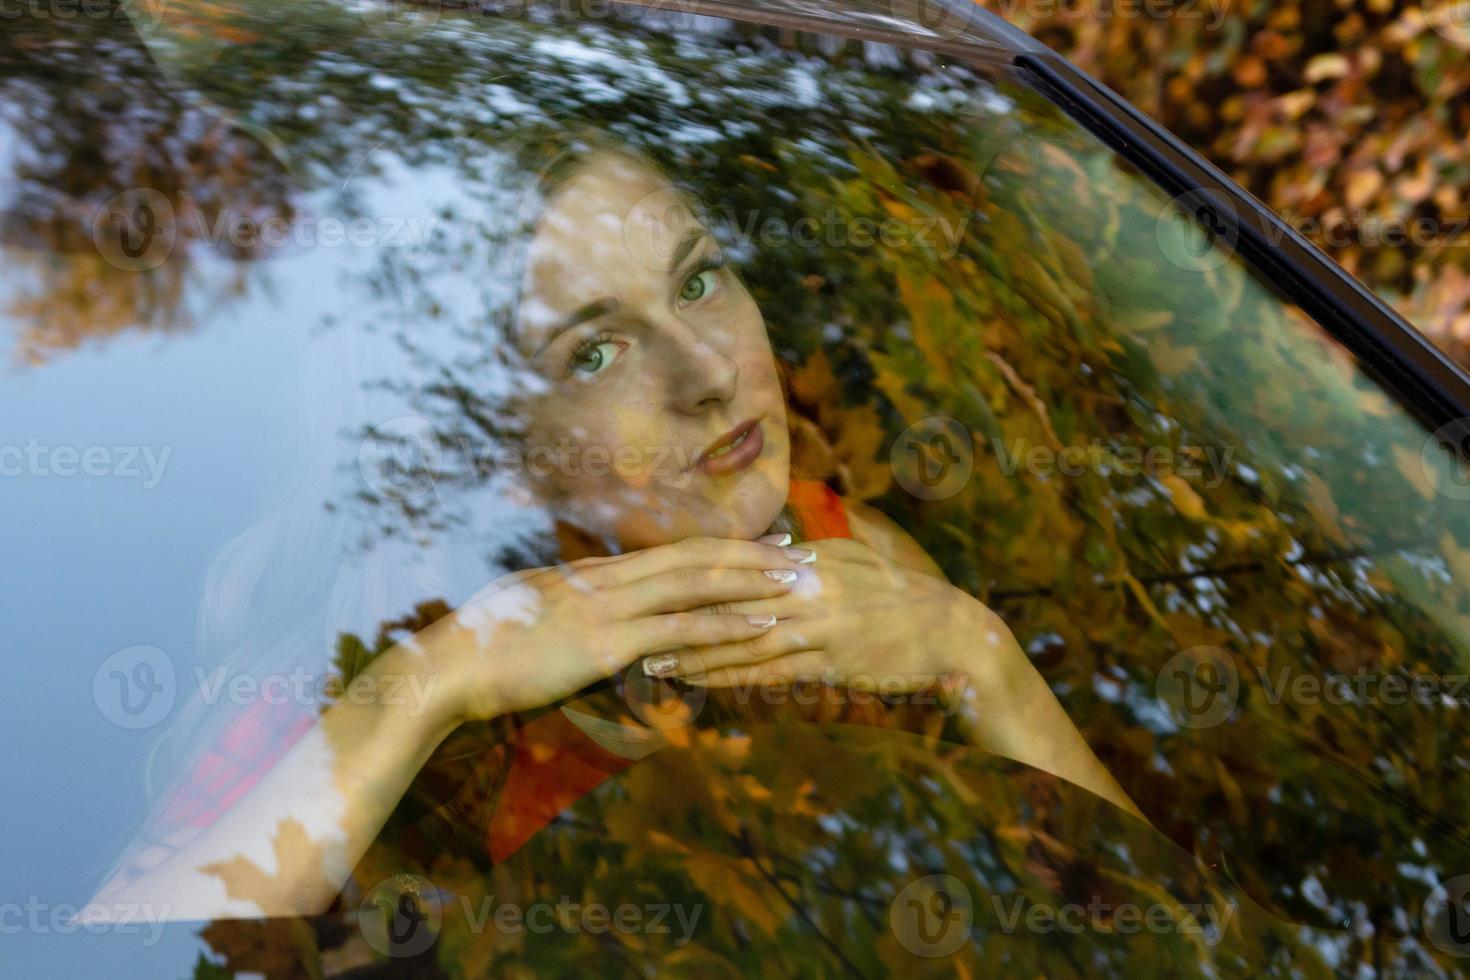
x=1132, y=630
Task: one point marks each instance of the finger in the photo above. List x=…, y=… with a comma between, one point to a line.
x=795, y=604
x=690, y=629
x=779, y=641
x=684, y=589
x=801, y=665
x=701, y=553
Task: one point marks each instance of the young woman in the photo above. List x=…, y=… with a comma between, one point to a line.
x=642, y=347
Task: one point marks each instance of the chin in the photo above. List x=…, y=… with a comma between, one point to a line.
x=647, y=519
x=759, y=500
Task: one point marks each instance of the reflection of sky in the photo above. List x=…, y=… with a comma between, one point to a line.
x=255, y=406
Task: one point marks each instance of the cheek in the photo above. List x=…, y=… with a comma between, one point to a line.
x=602, y=439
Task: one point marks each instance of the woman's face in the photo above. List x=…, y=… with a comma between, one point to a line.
x=662, y=415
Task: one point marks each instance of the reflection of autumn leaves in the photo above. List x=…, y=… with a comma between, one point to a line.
x=115, y=126
x=197, y=21
x=1338, y=115
x=793, y=840
x=81, y=298
x=783, y=848
x=276, y=947
x=831, y=440
x=247, y=881
x=1104, y=575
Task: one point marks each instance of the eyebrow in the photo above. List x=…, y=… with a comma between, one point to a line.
x=686, y=245
x=593, y=310
x=602, y=307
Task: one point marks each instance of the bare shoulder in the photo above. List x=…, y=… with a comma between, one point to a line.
x=878, y=531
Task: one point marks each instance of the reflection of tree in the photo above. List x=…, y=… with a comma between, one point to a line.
x=1049, y=326
x=785, y=852
x=92, y=117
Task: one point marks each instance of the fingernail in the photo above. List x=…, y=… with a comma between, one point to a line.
x=762, y=622
x=783, y=575
x=660, y=664
x=801, y=556
x=779, y=540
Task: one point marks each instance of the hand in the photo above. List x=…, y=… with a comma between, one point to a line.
x=539, y=635
x=861, y=620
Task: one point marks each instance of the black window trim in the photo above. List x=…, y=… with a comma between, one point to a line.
x=1404, y=361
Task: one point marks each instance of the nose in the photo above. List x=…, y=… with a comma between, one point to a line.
x=704, y=377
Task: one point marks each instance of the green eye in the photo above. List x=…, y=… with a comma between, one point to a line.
x=698, y=286
x=594, y=357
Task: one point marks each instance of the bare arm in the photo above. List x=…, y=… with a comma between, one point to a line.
x=1020, y=718
x=288, y=846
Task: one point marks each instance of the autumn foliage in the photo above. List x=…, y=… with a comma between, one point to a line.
x=1348, y=118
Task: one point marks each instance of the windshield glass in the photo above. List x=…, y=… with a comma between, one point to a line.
x=1132, y=630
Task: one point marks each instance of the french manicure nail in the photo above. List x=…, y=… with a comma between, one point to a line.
x=783, y=575
x=762, y=622
x=659, y=664
x=779, y=540
x=801, y=556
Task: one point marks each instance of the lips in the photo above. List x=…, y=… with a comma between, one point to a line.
x=733, y=451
